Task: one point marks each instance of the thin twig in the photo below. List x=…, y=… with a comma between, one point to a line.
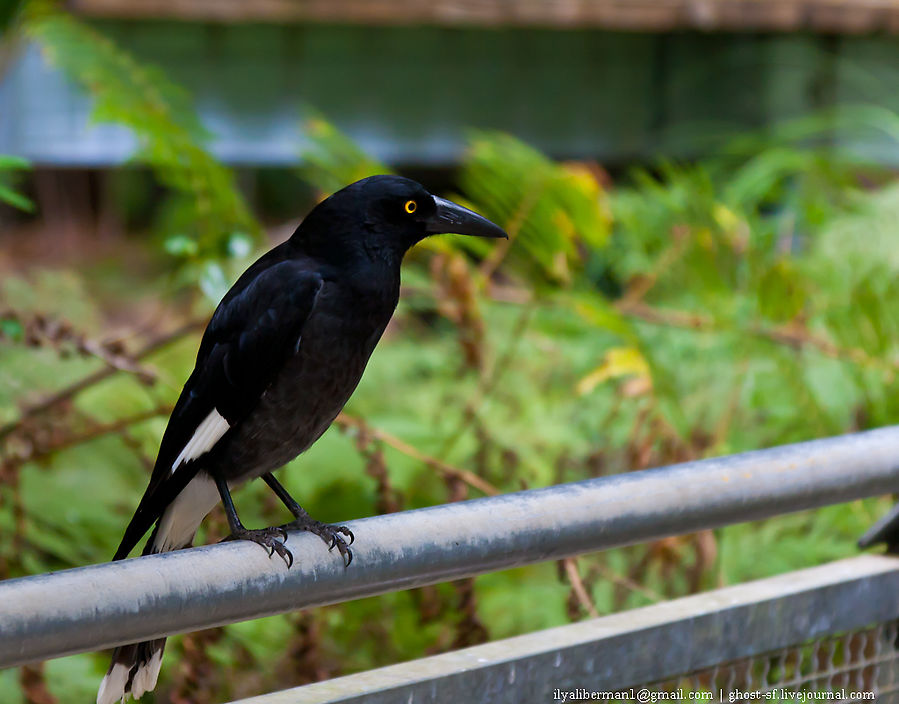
x=657, y=316
x=464, y=475
x=577, y=586
x=644, y=283
x=98, y=430
x=118, y=362
x=725, y=419
x=792, y=336
x=628, y=583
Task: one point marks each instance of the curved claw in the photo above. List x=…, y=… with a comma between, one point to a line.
x=267, y=538
x=331, y=535
x=283, y=553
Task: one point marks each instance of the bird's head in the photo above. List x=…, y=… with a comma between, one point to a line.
x=383, y=216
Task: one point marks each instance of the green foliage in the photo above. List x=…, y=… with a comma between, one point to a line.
x=207, y=208
x=689, y=310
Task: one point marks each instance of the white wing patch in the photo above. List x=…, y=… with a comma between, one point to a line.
x=208, y=433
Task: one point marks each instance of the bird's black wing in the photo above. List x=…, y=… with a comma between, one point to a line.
x=255, y=329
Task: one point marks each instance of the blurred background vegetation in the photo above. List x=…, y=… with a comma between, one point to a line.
x=645, y=311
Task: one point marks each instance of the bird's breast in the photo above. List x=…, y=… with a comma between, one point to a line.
x=310, y=390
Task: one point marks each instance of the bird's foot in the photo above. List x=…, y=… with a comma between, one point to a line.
x=330, y=534
x=269, y=538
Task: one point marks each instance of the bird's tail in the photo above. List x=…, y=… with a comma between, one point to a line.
x=132, y=672
x=135, y=667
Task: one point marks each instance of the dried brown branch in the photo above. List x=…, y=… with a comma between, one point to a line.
x=38, y=330
x=96, y=430
x=90, y=380
x=470, y=630
x=32, y=680
x=389, y=499
x=457, y=300
x=304, y=660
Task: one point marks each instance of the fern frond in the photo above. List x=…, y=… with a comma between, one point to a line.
x=171, y=138
x=332, y=159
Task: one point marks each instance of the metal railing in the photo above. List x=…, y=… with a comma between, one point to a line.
x=101, y=606
x=828, y=628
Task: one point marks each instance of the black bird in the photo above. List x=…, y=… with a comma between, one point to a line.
x=281, y=356
x=886, y=531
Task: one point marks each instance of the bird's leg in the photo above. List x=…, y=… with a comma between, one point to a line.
x=303, y=521
x=266, y=537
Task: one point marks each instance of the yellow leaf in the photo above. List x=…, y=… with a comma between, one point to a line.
x=726, y=218
x=616, y=363
x=579, y=176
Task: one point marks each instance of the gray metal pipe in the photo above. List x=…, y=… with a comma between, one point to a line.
x=104, y=605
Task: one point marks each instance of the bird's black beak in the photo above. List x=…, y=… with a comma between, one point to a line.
x=453, y=218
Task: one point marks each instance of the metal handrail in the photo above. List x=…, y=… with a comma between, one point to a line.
x=647, y=645
x=104, y=605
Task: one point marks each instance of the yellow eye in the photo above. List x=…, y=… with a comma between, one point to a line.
x=410, y=207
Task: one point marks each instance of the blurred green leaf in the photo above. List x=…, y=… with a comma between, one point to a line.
x=11, y=328
x=10, y=163
x=240, y=245
x=9, y=196
x=181, y=246
x=213, y=281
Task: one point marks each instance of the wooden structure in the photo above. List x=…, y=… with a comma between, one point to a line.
x=832, y=16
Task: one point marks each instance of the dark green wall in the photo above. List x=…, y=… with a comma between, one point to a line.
x=408, y=94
